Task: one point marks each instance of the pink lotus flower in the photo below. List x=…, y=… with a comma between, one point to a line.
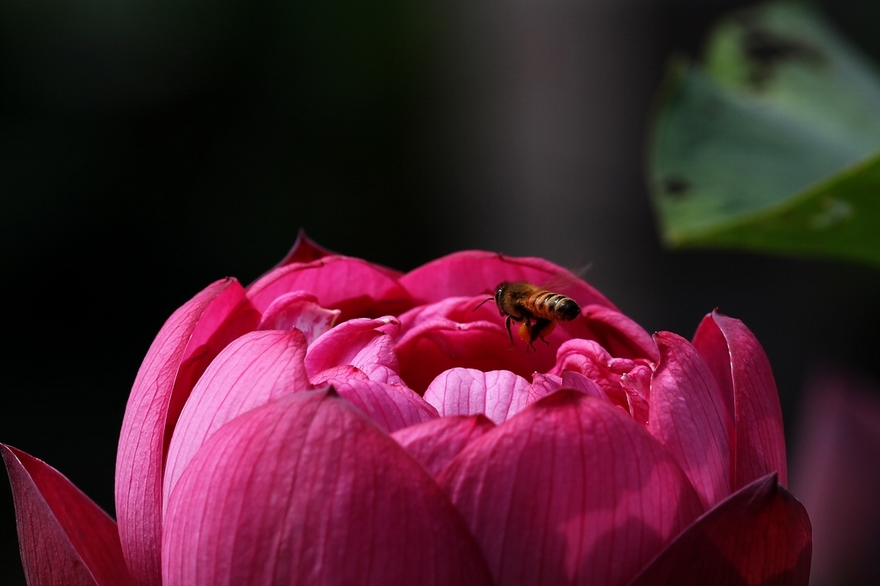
x=338, y=422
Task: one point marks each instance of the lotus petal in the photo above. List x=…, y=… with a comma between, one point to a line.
x=759, y=536
x=65, y=538
x=304, y=490
x=570, y=491
x=745, y=379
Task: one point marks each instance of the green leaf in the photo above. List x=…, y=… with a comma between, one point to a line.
x=773, y=144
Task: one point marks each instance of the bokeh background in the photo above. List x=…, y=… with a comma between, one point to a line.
x=149, y=148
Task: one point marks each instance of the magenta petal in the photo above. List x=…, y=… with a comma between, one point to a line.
x=617, y=333
x=185, y=345
x=253, y=370
x=744, y=377
x=435, y=443
x=64, y=537
x=497, y=394
x=304, y=250
x=363, y=343
x=390, y=407
x=352, y=285
x=300, y=311
x=472, y=272
x=544, y=384
x=438, y=345
x=759, y=535
x=570, y=491
x=688, y=416
x=304, y=490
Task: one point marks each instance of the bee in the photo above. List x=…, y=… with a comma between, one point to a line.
x=536, y=308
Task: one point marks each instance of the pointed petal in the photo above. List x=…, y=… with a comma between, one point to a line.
x=435, y=443
x=304, y=490
x=744, y=377
x=252, y=371
x=363, y=343
x=304, y=250
x=570, y=491
x=688, y=416
x=390, y=407
x=184, y=347
x=497, y=394
x=758, y=536
x=352, y=285
x=64, y=537
x=472, y=272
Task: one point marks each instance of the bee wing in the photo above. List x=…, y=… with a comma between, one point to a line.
x=566, y=281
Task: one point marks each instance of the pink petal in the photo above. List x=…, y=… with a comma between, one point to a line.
x=472, y=272
x=435, y=443
x=497, y=394
x=617, y=333
x=688, y=416
x=300, y=311
x=759, y=535
x=341, y=372
x=354, y=286
x=438, y=345
x=544, y=384
x=744, y=377
x=184, y=347
x=253, y=370
x=364, y=343
x=590, y=359
x=304, y=490
x=390, y=407
x=64, y=537
x=570, y=491
x=304, y=250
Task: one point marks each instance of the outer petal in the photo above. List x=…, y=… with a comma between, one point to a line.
x=745, y=379
x=570, y=491
x=64, y=537
x=435, y=443
x=253, y=370
x=184, y=347
x=497, y=394
x=688, y=416
x=474, y=271
x=358, y=288
x=759, y=536
x=304, y=490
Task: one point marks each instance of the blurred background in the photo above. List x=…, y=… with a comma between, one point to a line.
x=149, y=148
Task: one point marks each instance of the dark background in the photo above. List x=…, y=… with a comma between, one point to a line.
x=149, y=148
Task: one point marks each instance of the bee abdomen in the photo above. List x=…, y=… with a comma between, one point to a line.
x=554, y=306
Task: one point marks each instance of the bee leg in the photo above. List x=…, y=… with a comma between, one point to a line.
x=542, y=327
x=509, y=333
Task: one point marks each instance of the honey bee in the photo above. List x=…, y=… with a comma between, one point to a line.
x=536, y=308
